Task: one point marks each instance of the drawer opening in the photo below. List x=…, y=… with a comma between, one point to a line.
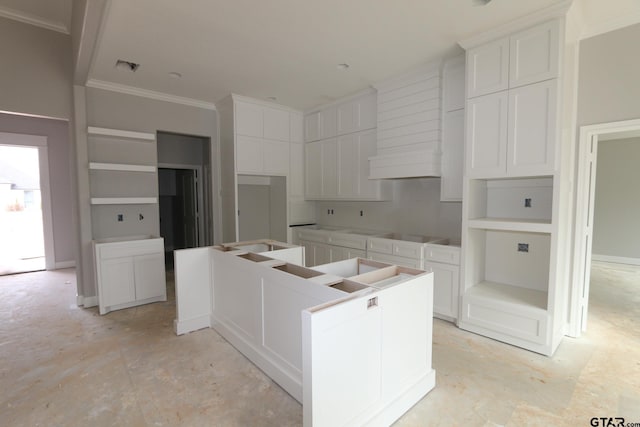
x=299, y=271
x=351, y=267
x=388, y=276
x=349, y=286
x=254, y=257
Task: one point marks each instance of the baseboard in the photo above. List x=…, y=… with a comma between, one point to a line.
x=185, y=326
x=86, y=302
x=615, y=259
x=64, y=264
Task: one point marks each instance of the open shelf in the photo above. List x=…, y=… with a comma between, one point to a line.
x=510, y=295
x=121, y=167
x=123, y=200
x=511, y=224
x=142, y=136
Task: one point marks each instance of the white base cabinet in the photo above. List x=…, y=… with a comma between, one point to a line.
x=298, y=325
x=129, y=272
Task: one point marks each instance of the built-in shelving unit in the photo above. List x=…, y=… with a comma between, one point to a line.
x=512, y=285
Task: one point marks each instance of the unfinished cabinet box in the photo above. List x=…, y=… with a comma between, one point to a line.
x=257, y=302
x=129, y=272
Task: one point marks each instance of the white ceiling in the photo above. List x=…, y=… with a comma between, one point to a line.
x=52, y=14
x=288, y=49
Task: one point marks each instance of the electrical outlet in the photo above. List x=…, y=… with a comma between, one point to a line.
x=361, y=213
x=120, y=217
x=140, y=217
x=523, y=247
x=527, y=203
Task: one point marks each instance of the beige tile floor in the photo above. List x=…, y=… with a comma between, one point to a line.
x=61, y=365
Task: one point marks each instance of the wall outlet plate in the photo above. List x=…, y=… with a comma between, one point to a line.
x=120, y=217
x=527, y=203
x=523, y=247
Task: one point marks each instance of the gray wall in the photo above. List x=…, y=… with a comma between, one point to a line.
x=62, y=212
x=416, y=209
x=616, y=226
x=36, y=71
x=180, y=150
x=608, y=88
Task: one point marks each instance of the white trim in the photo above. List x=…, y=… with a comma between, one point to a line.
x=185, y=326
x=93, y=130
x=123, y=200
x=581, y=262
x=64, y=264
x=615, y=259
x=22, y=140
x=86, y=302
x=151, y=94
x=611, y=25
x=47, y=215
x=29, y=18
x=546, y=14
x=121, y=167
x=257, y=101
x=178, y=166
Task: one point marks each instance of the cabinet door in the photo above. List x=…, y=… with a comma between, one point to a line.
x=296, y=170
x=117, y=281
x=532, y=129
x=347, y=166
x=249, y=155
x=366, y=112
x=453, y=84
x=248, y=119
x=445, y=288
x=276, y=157
x=365, y=147
x=322, y=254
x=337, y=253
x=355, y=253
x=312, y=127
x=535, y=54
x=150, y=277
x=309, y=253
x=487, y=135
x=276, y=124
x=346, y=119
x=296, y=129
x=329, y=168
x=452, y=156
x=329, y=122
x=488, y=68
x=313, y=170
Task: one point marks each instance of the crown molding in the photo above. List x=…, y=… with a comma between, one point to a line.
x=29, y=18
x=548, y=13
x=151, y=94
x=625, y=20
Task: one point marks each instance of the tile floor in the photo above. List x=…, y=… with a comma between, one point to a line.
x=61, y=365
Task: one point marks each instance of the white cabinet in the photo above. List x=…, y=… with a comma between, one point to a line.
x=357, y=114
x=534, y=54
x=488, y=68
x=129, y=272
x=486, y=135
x=276, y=124
x=301, y=211
x=453, y=101
x=338, y=169
x=312, y=127
x=248, y=119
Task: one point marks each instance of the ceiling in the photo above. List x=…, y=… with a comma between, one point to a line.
x=287, y=49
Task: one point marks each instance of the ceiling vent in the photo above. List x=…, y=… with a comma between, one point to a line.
x=127, y=65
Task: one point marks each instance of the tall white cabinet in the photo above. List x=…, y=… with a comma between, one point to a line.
x=514, y=287
x=453, y=103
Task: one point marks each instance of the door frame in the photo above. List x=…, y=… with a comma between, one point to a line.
x=199, y=195
x=583, y=225
x=40, y=143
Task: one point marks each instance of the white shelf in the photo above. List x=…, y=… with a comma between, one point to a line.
x=121, y=167
x=123, y=200
x=142, y=136
x=509, y=295
x=510, y=224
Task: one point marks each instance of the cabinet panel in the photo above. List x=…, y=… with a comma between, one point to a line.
x=296, y=127
x=453, y=85
x=149, y=276
x=487, y=135
x=276, y=124
x=366, y=112
x=346, y=118
x=118, y=281
x=296, y=170
x=313, y=170
x=532, y=129
x=248, y=119
x=366, y=147
x=248, y=154
x=405, y=262
x=276, y=157
x=322, y=254
x=329, y=153
x=445, y=288
x=329, y=122
x=488, y=68
x=347, y=166
x=452, y=156
x=312, y=127
x=535, y=55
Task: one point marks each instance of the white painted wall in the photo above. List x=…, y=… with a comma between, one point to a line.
x=616, y=229
x=58, y=143
x=416, y=208
x=36, y=71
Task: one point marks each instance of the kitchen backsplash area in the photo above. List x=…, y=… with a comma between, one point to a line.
x=416, y=209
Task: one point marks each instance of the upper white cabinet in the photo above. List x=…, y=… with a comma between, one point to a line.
x=249, y=119
x=353, y=115
x=276, y=124
x=488, y=68
x=523, y=58
x=487, y=134
x=312, y=126
x=453, y=102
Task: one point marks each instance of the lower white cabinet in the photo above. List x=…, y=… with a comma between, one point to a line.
x=446, y=281
x=129, y=272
